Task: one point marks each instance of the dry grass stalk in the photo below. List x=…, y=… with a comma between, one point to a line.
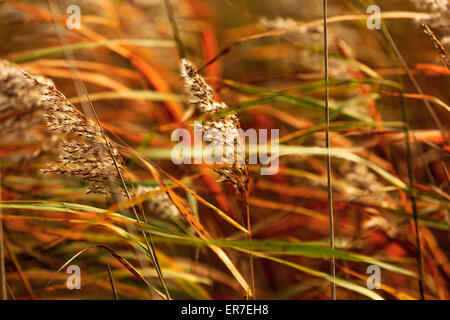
x=202, y=97
x=81, y=148
x=235, y=170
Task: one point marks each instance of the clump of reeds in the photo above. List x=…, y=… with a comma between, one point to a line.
x=81, y=148
x=202, y=97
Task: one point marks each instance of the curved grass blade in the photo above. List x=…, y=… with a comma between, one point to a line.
x=130, y=94
x=338, y=281
x=48, y=52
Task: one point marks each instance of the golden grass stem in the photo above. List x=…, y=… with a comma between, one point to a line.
x=327, y=144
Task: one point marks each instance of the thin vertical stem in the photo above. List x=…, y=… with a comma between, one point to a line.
x=412, y=195
x=327, y=143
x=2, y=250
x=175, y=30
x=248, y=237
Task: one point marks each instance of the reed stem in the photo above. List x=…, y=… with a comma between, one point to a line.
x=327, y=143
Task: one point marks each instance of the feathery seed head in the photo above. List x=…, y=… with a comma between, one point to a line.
x=159, y=204
x=202, y=97
x=82, y=149
x=434, y=5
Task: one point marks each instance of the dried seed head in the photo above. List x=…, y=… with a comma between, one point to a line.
x=22, y=121
x=159, y=204
x=226, y=126
x=439, y=46
x=82, y=149
x=434, y=5
x=312, y=38
x=380, y=223
x=440, y=17
x=201, y=94
x=361, y=177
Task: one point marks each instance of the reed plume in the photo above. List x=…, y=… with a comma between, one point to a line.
x=360, y=177
x=310, y=39
x=439, y=46
x=434, y=5
x=440, y=17
x=21, y=122
x=439, y=20
x=160, y=204
x=81, y=149
x=202, y=97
